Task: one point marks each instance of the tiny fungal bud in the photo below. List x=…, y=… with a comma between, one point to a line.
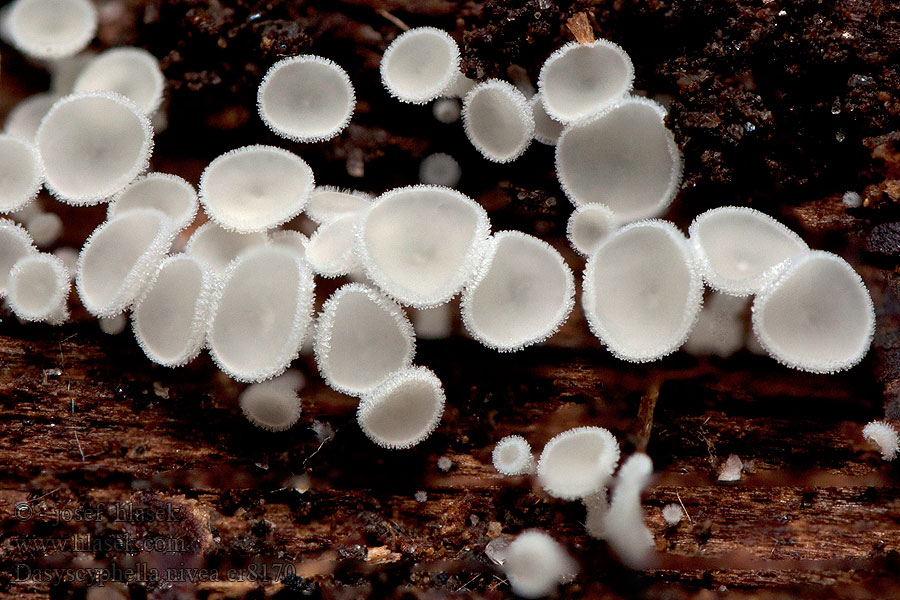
x=512, y=456
x=578, y=462
x=439, y=169
x=273, y=405
x=421, y=496
x=120, y=259
x=588, y=225
x=171, y=194
x=47, y=29
x=731, y=470
x=624, y=528
x=498, y=120
x=306, y=98
x=522, y=295
x=444, y=464
x=446, y=110
x=579, y=80
x=432, y=323
x=39, y=289
x=92, y=145
x=330, y=249
x=719, y=330
x=217, y=247
x=536, y=564
x=327, y=203
x=362, y=338
x=26, y=116
x=420, y=65
x=422, y=244
x=170, y=319
x=623, y=157
x=546, y=129
x=132, y=72
x=20, y=173
x=736, y=247
x=44, y=228
x=816, y=316
x=672, y=514
x=404, y=410
x=852, y=200
x=642, y=291
x=15, y=243
x=255, y=188
x=113, y=325
x=260, y=313
x=884, y=436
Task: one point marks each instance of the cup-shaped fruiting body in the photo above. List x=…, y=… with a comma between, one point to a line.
x=498, y=120
x=170, y=319
x=306, y=98
x=47, y=29
x=171, y=194
x=579, y=80
x=720, y=329
x=26, y=116
x=536, y=564
x=588, y=225
x=273, y=405
x=261, y=313
x=439, y=169
x=422, y=244
x=420, y=65
x=121, y=258
x=217, y=247
x=327, y=203
x=512, y=456
x=522, y=294
x=92, y=145
x=885, y=437
x=404, y=410
x=816, y=316
x=578, y=462
x=623, y=525
x=20, y=173
x=44, y=228
x=672, y=514
x=642, y=291
x=362, y=338
x=132, y=72
x=623, y=157
x=39, y=288
x=546, y=129
x=330, y=249
x=255, y=188
x=15, y=243
x=737, y=246
x=446, y=110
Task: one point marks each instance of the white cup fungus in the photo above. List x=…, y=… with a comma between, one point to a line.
x=171, y=194
x=642, y=291
x=217, y=247
x=588, y=225
x=420, y=65
x=255, y=188
x=439, y=169
x=131, y=72
x=20, y=173
x=26, y=116
x=273, y=405
x=113, y=325
x=44, y=228
x=404, y=410
x=38, y=289
x=623, y=157
x=15, y=243
x=327, y=203
x=306, y=98
x=522, y=294
x=536, y=564
x=330, y=249
x=47, y=29
x=578, y=462
x=884, y=437
x=546, y=129
x=498, y=121
x=446, y=110
x=623, y=524
x=512, y=456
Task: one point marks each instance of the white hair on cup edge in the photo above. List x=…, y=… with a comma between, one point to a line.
x=170, y=318
x=578, y=462
x=132, y=72
x=623, y=157
x=93, y=144
x=672, y=514
x=362, y=339
x=261, y=312
x=512, y=456
x=120, y=259
x=218, y=247
x=536, y=564
x=15, y=242
x=20, y=173
x=420, y=65
x=405, y=224
x=289, y=238
x=44, y=228
x=720, y=328
x=522, y=294
x=39, y=289
x=546, y=129
x=404, y=410
x=306, y=98
x=816, y=315
x=330, y=249
x=498, y=121
x=579, y=80
x=254, y=188
x=624, y=528
x=588, y=225
x=273, y=405
x=446, y=110
x=439, y=169
x=633, y=324
x=47, y=29
x=884, y=436
x=736, y=247
x=171, y=194
x=327, y=202
x=26, y=116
